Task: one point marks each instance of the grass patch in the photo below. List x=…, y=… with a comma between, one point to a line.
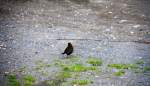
x=94, y=61
x=59, y=78
x=58, y=63
x=29, y=80
x=123, y=66
x=146, y=68
x=40, y=64
x=119, y=73
x=22, y=69
x=75, y=68
x=139, y=62
x=78, y=68
x=81, y=82
x=12, y=80
x=63, y=75
x=74, y=58
x=52, y=83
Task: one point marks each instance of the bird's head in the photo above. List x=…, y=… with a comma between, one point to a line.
x=69, y=44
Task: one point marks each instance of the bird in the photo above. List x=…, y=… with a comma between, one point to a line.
x=69, y=49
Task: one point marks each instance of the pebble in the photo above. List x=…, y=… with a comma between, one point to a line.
x=132, y=32
x=6, y=72
x=110, y=12
x=136, y=26
x=9, y=62
x=122, y=21
x=96, y=76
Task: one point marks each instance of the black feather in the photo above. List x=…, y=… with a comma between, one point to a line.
x=69, y=49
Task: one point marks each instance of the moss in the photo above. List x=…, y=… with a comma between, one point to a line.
x=51, y=83
x=21, y=69
x=94, y=61
x=139, y=62
x=92, y=68
x=74, y=59
x=64, y=74
x=64, y=84
x=147, y=68
x=44, y=73
x=133, y=66
x=38, y=68
x=138, y=70
x=81, y=82
x=29, y=80
x=59, y=78
x=47, y=65
x=78, y=68
x=123, y=66
x=40, y=64
x=58, y=62
x=12, y=80
x=117, y=66
x=119, y=73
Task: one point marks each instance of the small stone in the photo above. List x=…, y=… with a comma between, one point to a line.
x=96, y=76
x=107, y=30
x=140, y=57
x=59, y=16
x=112, y=85
x=122, y=21
x=110, y=12
x=132, y=32
x=136, y=26
x=6, y=72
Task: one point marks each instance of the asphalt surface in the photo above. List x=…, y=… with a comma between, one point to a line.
x=118, y=31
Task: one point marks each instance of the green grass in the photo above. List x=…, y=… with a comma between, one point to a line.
x=22, y=69
x=139, y=62
x=146, y=68
x=64, y=74
x=94, y=61
x=75, y=68
x=123, y=66
x=78, y=68
x=74, y=58
x=51, y=83
x=119, y=73
x=73, y=71
x=59, y=78
x=81, y=82
x=12, y=80
x=40, y=64
x=29, y=80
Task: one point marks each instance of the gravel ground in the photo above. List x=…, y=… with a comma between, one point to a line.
x=118, y=31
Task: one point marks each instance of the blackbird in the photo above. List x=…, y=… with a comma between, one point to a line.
x=69, y=49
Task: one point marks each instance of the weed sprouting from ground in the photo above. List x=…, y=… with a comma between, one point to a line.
x=26, y=80
x=29, y=80
x=94, y=61
x=73, y=71
x=12, y=80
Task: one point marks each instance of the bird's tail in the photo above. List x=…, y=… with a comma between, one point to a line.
x=62, y=53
